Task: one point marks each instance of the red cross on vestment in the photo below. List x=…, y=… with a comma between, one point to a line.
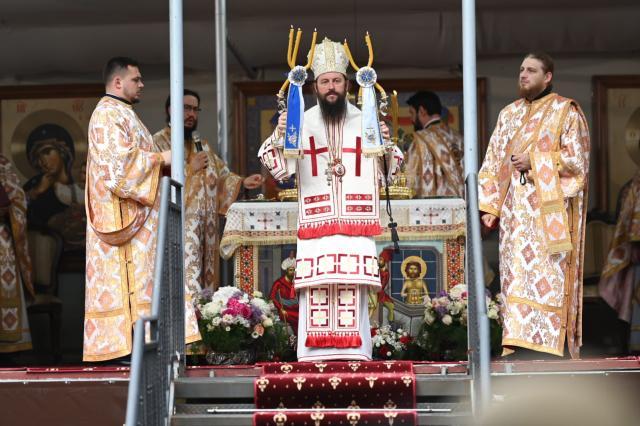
x=358, y=151
x=314, y=152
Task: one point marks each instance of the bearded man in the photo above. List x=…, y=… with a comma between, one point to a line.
x=434, y=159
x=533, y=185
x=338, y=215
x=283, y=294
x=210, y=188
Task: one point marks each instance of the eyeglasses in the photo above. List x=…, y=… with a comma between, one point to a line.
x=189, y=108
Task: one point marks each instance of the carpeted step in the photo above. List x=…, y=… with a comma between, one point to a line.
x=338, y=417
x=337, y=367
x=366, y=385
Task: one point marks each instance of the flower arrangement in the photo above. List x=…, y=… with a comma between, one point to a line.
x=443, y=335
x=389, y=344
x=231, y=321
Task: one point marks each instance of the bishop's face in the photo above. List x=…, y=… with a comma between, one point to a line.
x=331, y=87
x=533, y=80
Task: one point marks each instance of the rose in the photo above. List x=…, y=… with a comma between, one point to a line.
x=268, y=322
x=456, y=292
x=447, y=320
x=429, y=318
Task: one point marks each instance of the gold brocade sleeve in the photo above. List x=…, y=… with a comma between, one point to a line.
x=573, y=156
x=18, y=217
x=228, y=185
x=125, y=169
x=414, y=168
x=488, y=177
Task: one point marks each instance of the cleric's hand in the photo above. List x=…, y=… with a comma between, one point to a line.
x=281, y=128
x=521, y=162
x=384, y=131
x=253, y=181
x=199, y=162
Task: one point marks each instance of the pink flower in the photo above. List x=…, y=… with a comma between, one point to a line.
x=235, y=308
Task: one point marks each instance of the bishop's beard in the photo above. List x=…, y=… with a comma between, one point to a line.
x=333, y=112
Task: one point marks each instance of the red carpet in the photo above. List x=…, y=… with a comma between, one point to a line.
x=348, y=389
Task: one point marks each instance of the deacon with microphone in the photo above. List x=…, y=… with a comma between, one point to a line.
x=210, y=188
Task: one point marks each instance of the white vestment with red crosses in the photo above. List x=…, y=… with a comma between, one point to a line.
x=336, y=260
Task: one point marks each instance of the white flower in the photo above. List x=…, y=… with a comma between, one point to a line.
x=447, y=320
x=429, y=318
x=456, y=307
x=456, y=292
x=388, y=353
x=228, y=319
x=492, y=313
x=262, y=305
x=227, y=328
x=210, y=310
x=267, y=323
x=257, y=293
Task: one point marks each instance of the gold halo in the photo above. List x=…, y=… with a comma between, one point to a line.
x=38, y=118
x=417, y=259
x=632, y=136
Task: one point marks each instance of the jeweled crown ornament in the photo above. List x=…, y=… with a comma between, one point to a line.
x=295, y=101
x=329, y=56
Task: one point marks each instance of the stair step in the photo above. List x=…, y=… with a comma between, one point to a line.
x=196, y=415
x=242, y=387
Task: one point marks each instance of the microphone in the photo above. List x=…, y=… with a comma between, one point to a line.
x=195, y=136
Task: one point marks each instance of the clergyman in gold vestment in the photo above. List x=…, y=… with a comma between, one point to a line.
x=533, y=184
x=123, y=175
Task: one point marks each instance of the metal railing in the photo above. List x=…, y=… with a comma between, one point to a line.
x=158, y=345
x=478, y=322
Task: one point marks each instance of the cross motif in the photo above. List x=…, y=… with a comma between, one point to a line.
x=319, y=317
x=346, y=318
x=264, y=220
x=358, y=152
x=350, y=264
x=346, y=297
x=304, y=269
x=314, y=152
x=319, y=297
x=430, y=216
x=324, y=264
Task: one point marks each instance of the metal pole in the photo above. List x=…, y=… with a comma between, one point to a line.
x=481, y=370
x=469, y=87
x=221, y=78
x=177, y=90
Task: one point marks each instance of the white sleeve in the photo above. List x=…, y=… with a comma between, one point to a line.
x=273, y=159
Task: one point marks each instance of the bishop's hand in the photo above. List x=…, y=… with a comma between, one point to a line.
x=281, y=128
x=384, y=131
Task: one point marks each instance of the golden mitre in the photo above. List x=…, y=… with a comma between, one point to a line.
x=329, y=56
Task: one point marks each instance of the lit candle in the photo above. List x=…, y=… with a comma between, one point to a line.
x=394, y=116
